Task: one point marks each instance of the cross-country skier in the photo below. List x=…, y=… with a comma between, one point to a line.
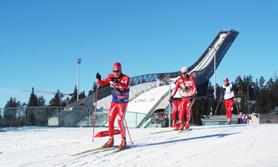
x=228, y=92
x=119, y=85
x=188, y=88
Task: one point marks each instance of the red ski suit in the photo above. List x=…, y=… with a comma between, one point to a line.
x=188, y=92
x=176, y=106
x=120, y=95
x=229, y=107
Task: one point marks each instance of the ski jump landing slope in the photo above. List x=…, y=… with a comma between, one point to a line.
x=217, y=146
x=146, y=101
x=145, y=104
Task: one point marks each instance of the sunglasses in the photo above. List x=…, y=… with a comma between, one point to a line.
x=116, y=71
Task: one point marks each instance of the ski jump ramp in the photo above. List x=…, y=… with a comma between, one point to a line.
x=147, y=92
x=145, y=104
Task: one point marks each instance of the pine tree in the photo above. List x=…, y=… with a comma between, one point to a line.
x=10, y=112
x=210, y=89
x=82, y=95
x=90, y=92
x=74, y=96
x=12, y=103
x=41, y=101
x=56, y=100
x=274, y=90
x=93, y=90
x=261, y=82
x=239, y=84
x=33, y=100
x=66, y=101
x=269, y=87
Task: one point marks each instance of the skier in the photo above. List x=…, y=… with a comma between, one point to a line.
x=119, y=85
x=187, y=85
x=175, y=101
x=228, y=92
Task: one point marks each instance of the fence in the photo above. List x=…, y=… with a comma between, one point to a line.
x=47, y=116
x=59, y=116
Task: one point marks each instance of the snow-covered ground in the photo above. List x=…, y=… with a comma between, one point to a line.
x=217, y=146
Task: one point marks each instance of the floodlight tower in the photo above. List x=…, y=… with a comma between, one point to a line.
x=78, y=77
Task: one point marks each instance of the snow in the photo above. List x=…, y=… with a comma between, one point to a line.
x=218, y=146
x=145, y=102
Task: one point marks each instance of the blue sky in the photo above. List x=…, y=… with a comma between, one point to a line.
x=40, y=40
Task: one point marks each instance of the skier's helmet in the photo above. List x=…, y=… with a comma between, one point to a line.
x=117, y=66
x=226, y=79
x=184, y=70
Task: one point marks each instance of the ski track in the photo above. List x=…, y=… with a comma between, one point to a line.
x=232, y=146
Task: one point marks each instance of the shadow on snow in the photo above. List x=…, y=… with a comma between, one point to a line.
x=220, y=135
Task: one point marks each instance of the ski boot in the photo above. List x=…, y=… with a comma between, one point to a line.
x=181, y=126
x=187, y=125
x=228, y=122
x=123, y=144
x=173, y=123
x=109, y=143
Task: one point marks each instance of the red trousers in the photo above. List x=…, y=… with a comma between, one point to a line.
x=186, y=106
x=176, y=103
x=120, y=110
x=229, y=107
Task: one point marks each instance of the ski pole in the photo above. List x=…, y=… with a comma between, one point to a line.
x=128, y=133
x=218, y=104
x=126, y=124
x=169, y=113
x=94, y=112
x=236, y=106
x=191, y=113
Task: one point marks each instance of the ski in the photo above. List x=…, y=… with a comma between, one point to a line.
x=174, y=127
x=171, y=130
x=116, y=151
x=164, y=131
x=185, y=130
x=95, y=150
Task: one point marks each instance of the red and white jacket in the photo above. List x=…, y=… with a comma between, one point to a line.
x=228, y=91
x=187, y=87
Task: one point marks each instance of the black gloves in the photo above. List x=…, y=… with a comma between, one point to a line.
x=98, y=76
x=114, y=80
x=171, y=99
x=191, y=98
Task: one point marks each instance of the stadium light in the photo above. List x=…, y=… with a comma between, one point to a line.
x=78, y=77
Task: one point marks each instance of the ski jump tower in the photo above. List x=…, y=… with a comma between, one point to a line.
x=147, y=95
